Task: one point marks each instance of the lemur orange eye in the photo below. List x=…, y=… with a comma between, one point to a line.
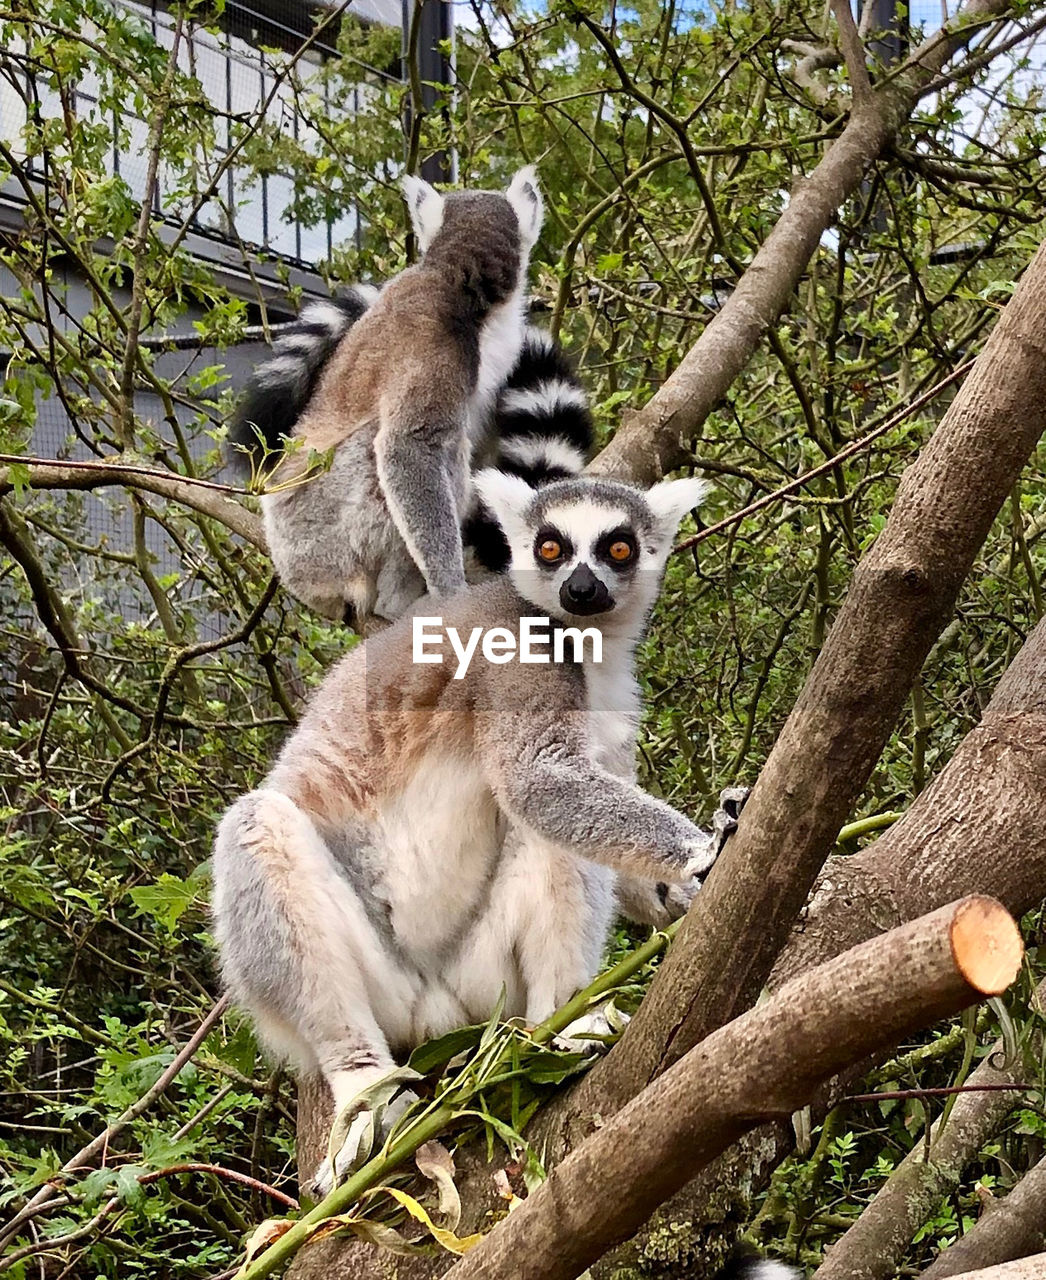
x=550, y=550
x=620, y=551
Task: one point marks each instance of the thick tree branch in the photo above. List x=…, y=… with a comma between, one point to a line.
x=1026, y=1269
x=902, y=595
x=766, y=1063
x=980, y=827
x=655, y=439
x=853, y=50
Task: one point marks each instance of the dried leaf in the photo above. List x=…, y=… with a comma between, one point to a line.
x=266, y=1233
x=435, y=1162
x=449, y=1241
x=373, y=1232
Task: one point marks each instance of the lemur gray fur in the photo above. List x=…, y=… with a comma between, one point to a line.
x=424, y=842
x=541, y=429
x=401, y=403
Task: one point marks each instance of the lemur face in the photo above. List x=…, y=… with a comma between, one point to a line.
x=589, y=549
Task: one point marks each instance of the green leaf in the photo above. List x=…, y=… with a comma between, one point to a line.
x=166, y=900
x=437, y=1053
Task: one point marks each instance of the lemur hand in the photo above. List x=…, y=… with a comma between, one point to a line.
x=702, y=853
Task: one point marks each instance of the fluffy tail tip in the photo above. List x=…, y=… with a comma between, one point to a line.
x=752, y=1268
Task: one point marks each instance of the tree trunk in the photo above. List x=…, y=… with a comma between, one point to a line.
x=903, y=593
x=980, y=827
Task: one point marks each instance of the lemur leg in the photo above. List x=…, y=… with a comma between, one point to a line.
x=562, y=947
x=298, y=950
x=423, y=472
x=399, y=585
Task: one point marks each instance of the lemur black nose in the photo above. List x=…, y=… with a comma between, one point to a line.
x=583, y=593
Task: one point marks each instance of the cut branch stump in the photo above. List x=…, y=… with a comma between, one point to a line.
x=765, y=1064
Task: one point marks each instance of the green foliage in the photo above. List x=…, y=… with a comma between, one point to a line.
x=119, y=747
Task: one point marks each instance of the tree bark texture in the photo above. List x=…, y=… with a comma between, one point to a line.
x=766, y=1063
x=902, y=594
x=1026, y=1269
x=655, y=440
x=874, y=1247
x=979, y=828
x=1012, y=1228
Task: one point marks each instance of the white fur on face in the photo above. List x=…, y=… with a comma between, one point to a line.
x=426, y=209
x=584, y=524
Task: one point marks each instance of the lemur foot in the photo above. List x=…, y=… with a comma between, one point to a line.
x=725, y=818
x=589, y=1033
x=365, y=1123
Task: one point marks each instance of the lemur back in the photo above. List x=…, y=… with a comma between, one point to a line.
x=540, y=429
x=425, y=841
x=399, y=403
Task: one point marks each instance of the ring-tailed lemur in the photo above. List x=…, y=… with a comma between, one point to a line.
x=540, y=429
x=425, y=842
x=401, y=403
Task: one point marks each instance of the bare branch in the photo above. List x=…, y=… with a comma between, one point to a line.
x=766, y=1063
x=206, y=496
x=853, y=50
x=655, y=440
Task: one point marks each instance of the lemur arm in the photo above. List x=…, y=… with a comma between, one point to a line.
x=539, y=769
x=659, y=903
x=422, y=469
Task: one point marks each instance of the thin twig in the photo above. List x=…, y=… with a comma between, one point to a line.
x=851, y=449
x=102, y=1140
x=945, y=1091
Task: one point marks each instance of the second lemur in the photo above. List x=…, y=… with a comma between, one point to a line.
x=540, y=429
x=400, y=404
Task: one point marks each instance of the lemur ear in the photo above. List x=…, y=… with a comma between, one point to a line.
x=524, y=195
x=426, y=209
x=672, y=499
x=507, y=497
